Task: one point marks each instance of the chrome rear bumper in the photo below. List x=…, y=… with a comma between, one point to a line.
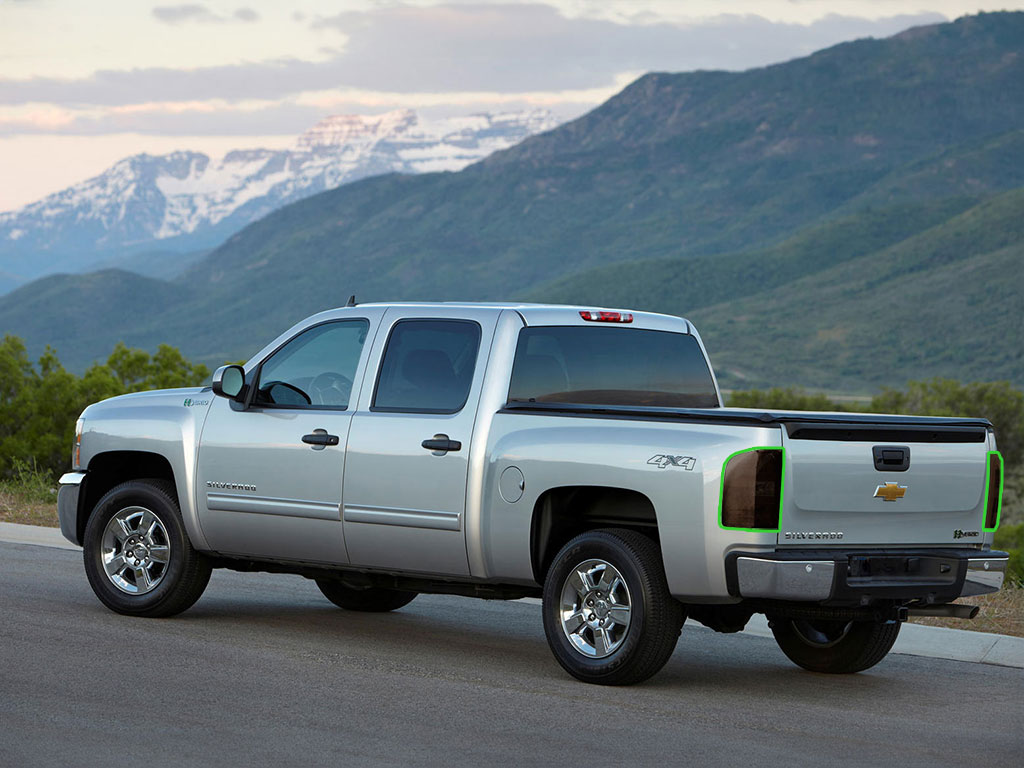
x=785, y=580
x=985, y=574
x=852, y=577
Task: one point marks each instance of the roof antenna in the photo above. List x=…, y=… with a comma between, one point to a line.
x=351, y=301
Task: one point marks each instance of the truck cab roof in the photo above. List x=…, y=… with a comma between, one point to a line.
x=533, y=314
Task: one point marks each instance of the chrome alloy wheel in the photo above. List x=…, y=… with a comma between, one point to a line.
x=595, y=608
x=135, y=550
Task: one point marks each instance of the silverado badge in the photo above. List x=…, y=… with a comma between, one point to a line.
x=890, y=492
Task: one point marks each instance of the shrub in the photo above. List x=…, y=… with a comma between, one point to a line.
x=29, y=482
x=1010, y=538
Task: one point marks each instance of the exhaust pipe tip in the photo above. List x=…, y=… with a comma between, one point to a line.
x=949, y=610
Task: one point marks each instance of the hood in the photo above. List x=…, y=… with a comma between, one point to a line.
x=187, y=397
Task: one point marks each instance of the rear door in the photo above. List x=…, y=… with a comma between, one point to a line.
x=912, y=485
x=407, y=460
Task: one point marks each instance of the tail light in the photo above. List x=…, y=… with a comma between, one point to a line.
x=993, y=490
x=751, y=497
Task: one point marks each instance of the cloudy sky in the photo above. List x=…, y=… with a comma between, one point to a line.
x=83, y=84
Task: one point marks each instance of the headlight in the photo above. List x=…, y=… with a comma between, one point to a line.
x=76, y=454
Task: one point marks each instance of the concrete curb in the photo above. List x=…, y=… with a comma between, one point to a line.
x=16, y=533
x=939, y=643
x=914, y=639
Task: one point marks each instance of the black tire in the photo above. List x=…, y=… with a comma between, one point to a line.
x=369, y=600
x=655, y=617
x=182, y=578
x=834, y=647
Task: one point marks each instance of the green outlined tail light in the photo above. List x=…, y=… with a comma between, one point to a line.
x=993, y=490
x=751, y=495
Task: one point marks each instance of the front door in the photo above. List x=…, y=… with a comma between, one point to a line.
x=408, y=451
x=269, y=476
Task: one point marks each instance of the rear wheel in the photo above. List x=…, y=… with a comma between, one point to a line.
x=370, y=600
x=834, y=647
x=608, y=614
x=138, y=558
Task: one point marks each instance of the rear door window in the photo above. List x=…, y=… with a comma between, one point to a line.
x=428, y=366
x=611, y=366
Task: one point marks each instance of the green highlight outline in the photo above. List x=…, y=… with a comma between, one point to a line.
x=782, y=489
x=988, y=489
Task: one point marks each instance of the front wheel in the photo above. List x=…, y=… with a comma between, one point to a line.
x=608, y=615
x=138, y=558
x=834, y=647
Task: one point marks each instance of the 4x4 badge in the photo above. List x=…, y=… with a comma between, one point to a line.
x=890, y=492
x=662, y=461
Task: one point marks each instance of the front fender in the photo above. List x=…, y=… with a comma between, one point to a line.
x=166, y=423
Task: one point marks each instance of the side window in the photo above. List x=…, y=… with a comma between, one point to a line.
x=315, y=369
x=428, y=366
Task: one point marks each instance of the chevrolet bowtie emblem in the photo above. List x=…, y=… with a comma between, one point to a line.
x=890, y=491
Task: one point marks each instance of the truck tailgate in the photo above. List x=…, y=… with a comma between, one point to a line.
x=881, y=485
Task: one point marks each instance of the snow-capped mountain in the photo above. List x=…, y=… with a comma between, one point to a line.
x=188, y=201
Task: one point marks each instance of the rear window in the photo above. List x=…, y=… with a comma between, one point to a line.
x=611, y=366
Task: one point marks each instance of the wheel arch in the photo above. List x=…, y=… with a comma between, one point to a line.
x=563, y=512
x=112, y=468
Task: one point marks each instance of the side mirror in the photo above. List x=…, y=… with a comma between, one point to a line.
x=228, y=381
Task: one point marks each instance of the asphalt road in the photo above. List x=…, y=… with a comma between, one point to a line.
x=264, y=671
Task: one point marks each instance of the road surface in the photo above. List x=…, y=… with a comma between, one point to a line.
x=264, y=671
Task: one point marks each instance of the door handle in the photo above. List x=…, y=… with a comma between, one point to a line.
x=441, y=444
x=320, y=438
x=891, y=458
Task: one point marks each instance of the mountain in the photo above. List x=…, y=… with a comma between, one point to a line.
x=944, y=302
x=699, y=192
x=187, y=201
x=864, y=301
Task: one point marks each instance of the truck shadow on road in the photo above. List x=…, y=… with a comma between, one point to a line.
x=504, y=642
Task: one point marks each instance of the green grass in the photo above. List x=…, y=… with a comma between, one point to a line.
x=29, y=482
x=28, y=495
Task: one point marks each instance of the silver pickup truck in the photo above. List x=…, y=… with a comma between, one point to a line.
x=506, y=451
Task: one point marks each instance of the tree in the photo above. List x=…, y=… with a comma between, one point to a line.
x=135, y=371
x=38, y=408
x=779, y=399
x=996, y=401
x=16, y=375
